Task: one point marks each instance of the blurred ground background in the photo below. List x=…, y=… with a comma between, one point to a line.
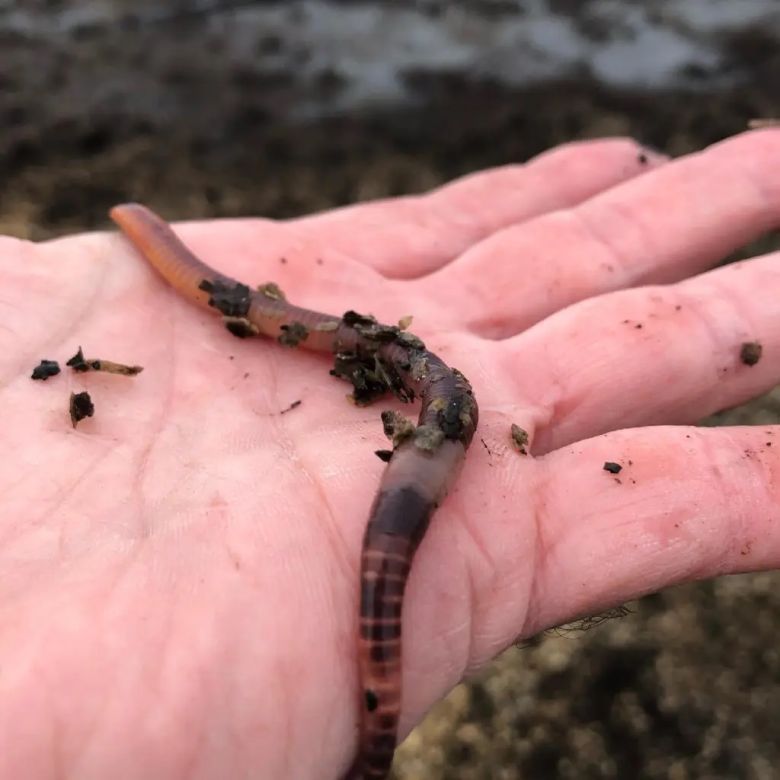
x=207, y=108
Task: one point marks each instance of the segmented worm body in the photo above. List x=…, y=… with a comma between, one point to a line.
x=425, y=458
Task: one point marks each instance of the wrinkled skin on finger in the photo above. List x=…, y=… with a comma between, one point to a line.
x=178, y=573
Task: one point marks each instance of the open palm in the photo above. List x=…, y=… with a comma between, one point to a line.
x=178, y=575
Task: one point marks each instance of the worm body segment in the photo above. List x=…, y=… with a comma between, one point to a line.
x=375, y=359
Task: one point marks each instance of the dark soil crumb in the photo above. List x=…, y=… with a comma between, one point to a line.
x=293, y=405
x=240, y=327
x=45, y=369
x=77, y=362
x=232, y=300
x=750, y=353
x=293, y=334
x=519, y=439
x=454, y=416
x=81, y=406
x=397, y=428
x=612, y=468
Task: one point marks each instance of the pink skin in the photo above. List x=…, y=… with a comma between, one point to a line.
x=178, y=575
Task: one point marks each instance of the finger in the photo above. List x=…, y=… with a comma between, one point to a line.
x=678, y=220
x=411, y=236
x=536, y=543
x=688, y=504
x=651, y=355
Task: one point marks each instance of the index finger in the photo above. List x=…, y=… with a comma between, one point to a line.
x=411, y=236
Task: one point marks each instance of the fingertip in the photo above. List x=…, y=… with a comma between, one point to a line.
x=608, y=150
x=759, y=140
x=649, y=157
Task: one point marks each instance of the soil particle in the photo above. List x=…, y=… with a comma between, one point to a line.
x=750, y=353
x=233, y=300
x=77, y=362
x=428, y=437
x=519, y=439
x=410, y=340
x=418, y=367
x=293, y=334
x=81, y=406
x=366, y=369
x=397, y=427
x=45, y=369
x=353, y=319
x=349, y=366
x=240, y=327
x=612, y=468
x=454, y=416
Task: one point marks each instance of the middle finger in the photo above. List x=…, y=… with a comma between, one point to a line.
x=653, y=355
x=677, y=220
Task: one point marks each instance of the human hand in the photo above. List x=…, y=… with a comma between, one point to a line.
x=178, y=576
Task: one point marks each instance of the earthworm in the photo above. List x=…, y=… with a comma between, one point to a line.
x=425, y=459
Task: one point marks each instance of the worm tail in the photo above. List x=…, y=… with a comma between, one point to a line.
x=385, y=565
x=398, y=522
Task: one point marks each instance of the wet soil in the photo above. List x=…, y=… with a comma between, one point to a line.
x=65, y=175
